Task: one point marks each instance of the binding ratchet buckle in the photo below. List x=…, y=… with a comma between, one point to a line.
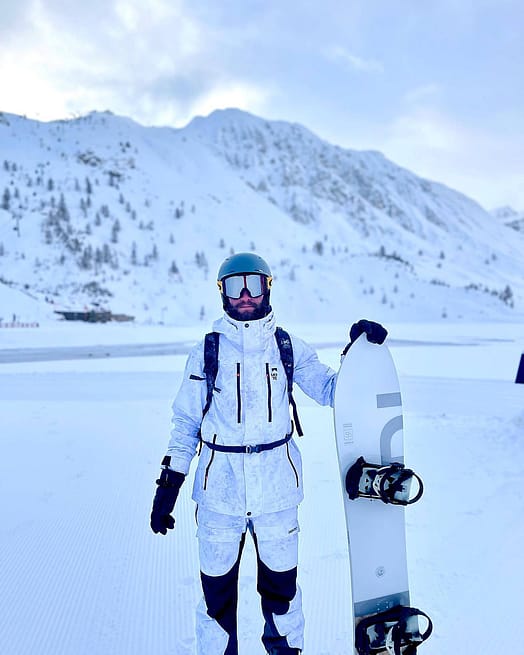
x=390, y=483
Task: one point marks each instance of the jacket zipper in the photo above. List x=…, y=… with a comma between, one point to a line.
x=239, y=402
x=269, y=409
x=291, y=462
x=209, y=463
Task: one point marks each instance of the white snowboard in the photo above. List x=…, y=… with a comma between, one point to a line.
x=368, y=423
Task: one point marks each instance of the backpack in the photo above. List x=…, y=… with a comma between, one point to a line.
x=285, y=347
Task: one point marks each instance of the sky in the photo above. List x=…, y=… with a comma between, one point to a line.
x=437, y=86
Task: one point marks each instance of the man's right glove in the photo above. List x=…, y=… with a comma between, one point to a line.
x=164, y=501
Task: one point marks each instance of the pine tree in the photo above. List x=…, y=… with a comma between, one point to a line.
x=86, y=261
x=201, y=261
x=6, y=199
x=114, y=231
x=318, y=247
x=63, y=211
x=507, y=296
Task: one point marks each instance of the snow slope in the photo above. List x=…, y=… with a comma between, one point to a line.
x=82, y=574
x=101, y=211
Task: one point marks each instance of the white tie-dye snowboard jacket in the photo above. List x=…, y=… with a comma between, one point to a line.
x=250, y=406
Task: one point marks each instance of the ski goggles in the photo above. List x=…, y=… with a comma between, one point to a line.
x=255, y=283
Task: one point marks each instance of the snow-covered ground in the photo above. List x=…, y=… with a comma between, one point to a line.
x=82, y=439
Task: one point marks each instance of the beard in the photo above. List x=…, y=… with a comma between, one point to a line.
x=248, y=311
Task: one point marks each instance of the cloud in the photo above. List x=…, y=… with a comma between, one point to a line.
x=352, y=61
x=425, y=128
x=480, y=162
x=154, y=61
x=423, y=93
x=241, y=95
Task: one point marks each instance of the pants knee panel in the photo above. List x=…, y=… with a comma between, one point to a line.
x=277, y=588
x=221, y=594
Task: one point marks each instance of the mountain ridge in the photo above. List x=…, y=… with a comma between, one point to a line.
x=100, y=210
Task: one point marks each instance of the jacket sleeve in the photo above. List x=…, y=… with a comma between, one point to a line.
x=187, y=412
x=314, y=378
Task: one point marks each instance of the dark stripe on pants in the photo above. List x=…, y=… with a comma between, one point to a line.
x=221, y=596
x=277, y=589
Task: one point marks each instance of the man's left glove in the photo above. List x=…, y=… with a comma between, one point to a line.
x=164, y=501
x=375, y=333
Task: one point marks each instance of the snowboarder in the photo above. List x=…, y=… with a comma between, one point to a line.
x=233, y=405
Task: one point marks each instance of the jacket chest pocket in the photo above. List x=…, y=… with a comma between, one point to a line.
x=269, y=393
x=238, y=389
x=261, y=386
x=274, y=376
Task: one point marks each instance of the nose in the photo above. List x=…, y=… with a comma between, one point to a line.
x=245, y=293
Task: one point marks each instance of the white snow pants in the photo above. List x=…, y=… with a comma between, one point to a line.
x=221, y=539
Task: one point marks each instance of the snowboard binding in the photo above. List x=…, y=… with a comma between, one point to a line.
x=390, y=483
x=395, y=632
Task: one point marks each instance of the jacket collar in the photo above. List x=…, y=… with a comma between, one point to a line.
x=247, y=335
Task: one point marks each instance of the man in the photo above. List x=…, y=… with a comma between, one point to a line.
x=249, y=476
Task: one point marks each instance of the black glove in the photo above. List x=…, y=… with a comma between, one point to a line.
x=164, y=501
x=375, y=333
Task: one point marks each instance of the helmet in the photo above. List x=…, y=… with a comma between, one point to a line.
x=245, y=263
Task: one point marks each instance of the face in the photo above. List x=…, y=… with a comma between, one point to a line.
x=246, y=306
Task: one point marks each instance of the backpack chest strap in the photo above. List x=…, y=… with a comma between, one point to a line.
x=248, y=449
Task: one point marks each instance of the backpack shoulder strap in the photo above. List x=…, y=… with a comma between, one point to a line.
x=211, y=343
x=285, y=348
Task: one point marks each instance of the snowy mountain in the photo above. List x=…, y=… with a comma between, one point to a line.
x=100, y=211
x=509, y=217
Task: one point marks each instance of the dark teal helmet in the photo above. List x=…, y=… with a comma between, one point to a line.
x=243, y=262
x=247, y=264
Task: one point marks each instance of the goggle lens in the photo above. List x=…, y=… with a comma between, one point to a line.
x=256, y=285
